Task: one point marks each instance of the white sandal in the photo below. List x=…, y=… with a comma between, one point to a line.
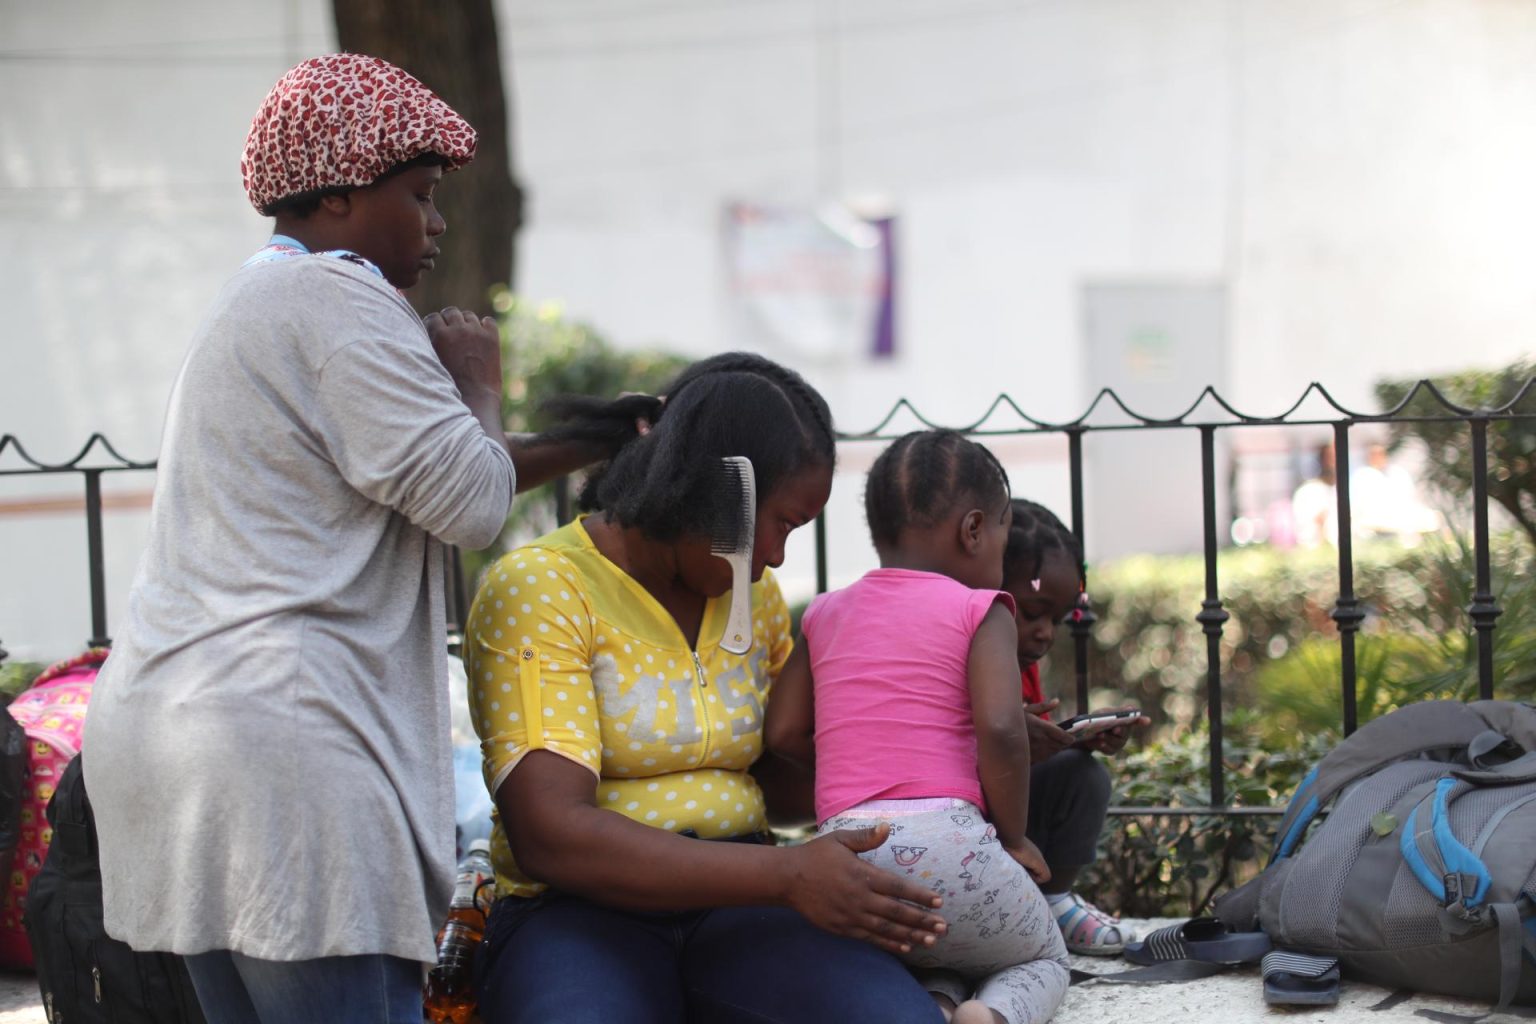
x=1087, y=929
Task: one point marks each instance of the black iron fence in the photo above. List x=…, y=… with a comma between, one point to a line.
x=99, y=457
x=95, y=460
x=1209, y=414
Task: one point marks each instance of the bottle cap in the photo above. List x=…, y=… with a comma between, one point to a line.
x=483, y=845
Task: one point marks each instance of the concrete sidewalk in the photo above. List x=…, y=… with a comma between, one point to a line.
x=1236, y=997
x=19, y=1002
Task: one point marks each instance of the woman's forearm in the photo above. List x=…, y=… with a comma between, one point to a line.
x=560, y=837
x=539, y=462
x=606, y=857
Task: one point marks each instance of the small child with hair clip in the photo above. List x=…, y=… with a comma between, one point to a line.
x=1069, y=790
x=905, y=697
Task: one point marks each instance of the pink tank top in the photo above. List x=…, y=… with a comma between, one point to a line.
x=893, y=703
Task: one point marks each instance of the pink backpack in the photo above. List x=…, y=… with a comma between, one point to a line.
x=52, y=713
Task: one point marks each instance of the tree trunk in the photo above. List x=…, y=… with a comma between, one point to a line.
x=451, y=46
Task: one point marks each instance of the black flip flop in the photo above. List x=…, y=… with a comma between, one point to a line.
x=1300, y=979
x=1200, y=938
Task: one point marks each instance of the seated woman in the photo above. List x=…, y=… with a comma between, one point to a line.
x=623, y=743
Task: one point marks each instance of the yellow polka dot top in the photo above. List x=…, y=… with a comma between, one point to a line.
x=566, y=653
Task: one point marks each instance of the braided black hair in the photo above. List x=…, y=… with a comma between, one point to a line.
x=1035, y=533
x=667, y=481
x=924, y=475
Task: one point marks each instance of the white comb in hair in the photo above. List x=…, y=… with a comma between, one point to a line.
x=731, y=539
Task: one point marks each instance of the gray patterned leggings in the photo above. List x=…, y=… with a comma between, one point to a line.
x=1003, y=946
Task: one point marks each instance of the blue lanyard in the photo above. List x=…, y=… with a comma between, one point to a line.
x=282, y=247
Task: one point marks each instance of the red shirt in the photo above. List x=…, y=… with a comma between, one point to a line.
x=1033, y=694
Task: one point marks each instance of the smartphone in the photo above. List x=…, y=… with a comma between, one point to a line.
x=1079, y=722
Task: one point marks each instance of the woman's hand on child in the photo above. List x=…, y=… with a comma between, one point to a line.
x=1029, y=856
x=1045, y=739
x=835, y=890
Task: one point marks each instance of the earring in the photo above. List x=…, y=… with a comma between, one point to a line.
x=1034, y=585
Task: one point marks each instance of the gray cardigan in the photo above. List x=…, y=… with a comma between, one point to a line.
x=267, y=750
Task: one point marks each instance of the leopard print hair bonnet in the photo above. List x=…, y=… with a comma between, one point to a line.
x=341, y=121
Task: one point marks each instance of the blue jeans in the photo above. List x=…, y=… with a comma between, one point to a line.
x=238, y=989
x=560, y=958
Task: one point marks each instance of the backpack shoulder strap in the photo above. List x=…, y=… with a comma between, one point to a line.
x=1510, y=918
x=69, y=814
x=1407, y=732
x=1298, y=815
x=1510, y=718
x=1449, y=871
x=1510, y=773
x=1459, y=878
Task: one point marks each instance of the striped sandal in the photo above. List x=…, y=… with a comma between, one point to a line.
x=1087, y=929
x=1199, y=938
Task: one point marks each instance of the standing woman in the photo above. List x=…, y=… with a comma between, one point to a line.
x=623, y=743
x=267, y=750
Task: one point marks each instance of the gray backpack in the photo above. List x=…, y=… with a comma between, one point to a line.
x=1409, y=853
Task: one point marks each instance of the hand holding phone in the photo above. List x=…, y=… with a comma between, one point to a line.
x=1080, y=725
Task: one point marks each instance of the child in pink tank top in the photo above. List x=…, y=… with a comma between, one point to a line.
x=904, y=697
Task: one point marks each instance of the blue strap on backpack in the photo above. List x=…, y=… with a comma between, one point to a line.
x=1298, y=816
x=1457, y=876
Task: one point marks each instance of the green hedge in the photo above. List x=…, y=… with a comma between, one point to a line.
x=1282, y=709
x=16, y=676
x=1447, y=443
x=544, y=355
x=1172, y=866
x=1416, y=641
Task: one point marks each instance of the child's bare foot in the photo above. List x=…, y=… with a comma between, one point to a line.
x=974, y=1011
x=946, y=1005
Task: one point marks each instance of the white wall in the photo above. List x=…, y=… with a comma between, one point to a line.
x=121, y=203
x=1387, y=215
x=1355, y=171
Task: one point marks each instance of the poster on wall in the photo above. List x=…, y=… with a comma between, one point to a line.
x=814, y=284
x=1157, y=345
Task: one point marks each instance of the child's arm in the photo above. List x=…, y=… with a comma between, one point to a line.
x=789, y=790
x=1002, y=734
x=789, y=725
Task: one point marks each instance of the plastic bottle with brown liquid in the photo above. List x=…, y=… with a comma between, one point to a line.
x=450, y=997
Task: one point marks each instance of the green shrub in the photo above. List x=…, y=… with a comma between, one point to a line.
x=1301, y=694
x=1174, y=865
x=1147, y=648
x=1511, y=442
x=544, y=355
x=16, y=676
x=1422, y=650
x=1441, y=620
x=1282, y=704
